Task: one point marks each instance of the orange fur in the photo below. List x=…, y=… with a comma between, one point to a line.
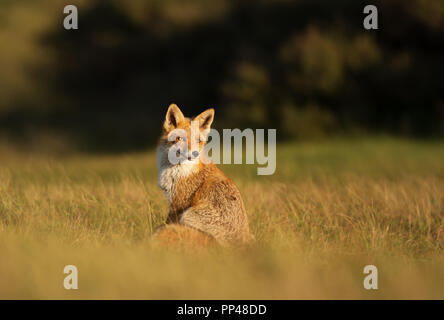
x=178, y=236
x=202, y=200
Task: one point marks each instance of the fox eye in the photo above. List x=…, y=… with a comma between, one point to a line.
x=180, y=139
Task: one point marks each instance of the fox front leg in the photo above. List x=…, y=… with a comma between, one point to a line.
x=172, y=218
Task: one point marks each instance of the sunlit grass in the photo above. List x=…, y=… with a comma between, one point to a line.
x=330, y=209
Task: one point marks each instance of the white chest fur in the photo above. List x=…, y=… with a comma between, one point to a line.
x=169, y=175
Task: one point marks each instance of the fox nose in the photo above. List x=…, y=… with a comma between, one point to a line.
x=195, y=154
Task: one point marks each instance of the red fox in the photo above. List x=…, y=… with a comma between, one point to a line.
x=204, y=205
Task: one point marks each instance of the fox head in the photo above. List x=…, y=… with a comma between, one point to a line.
x=185, y=138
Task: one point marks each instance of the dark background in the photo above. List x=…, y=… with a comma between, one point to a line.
x=307, y=68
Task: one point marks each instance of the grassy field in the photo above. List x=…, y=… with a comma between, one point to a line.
x=330, y=209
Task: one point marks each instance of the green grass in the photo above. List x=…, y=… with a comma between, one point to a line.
x=330, y=209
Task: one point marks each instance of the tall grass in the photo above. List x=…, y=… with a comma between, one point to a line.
x=330, y=209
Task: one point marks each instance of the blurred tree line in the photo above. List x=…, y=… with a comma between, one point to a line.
x=305, y=67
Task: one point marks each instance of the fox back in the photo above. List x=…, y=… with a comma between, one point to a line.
x=200, y=197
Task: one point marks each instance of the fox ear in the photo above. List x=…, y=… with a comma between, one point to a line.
x=205, y=119
x=173, y=117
